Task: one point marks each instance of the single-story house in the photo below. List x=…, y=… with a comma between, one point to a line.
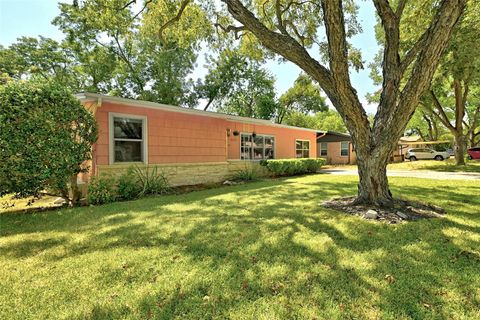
x=335, y=147
x=191, y=146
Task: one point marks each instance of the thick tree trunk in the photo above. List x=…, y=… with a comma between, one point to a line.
x=400, y=95
x=373, y=184
x=75, y=192
x=459, y=149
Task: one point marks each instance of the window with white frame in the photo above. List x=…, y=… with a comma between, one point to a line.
x=256, y=147
x=128, y=138
x=323, y=149
x=344, y=148
x=302, y=148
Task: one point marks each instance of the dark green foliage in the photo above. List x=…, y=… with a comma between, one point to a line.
x=128, y=187
x=246, y=174
x=151, y=181
x=101, y=190
x=290, y=167
x=45, y=137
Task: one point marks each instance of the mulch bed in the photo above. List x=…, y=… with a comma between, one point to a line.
x=401, y=211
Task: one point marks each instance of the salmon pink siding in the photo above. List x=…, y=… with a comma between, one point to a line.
x=176, y=137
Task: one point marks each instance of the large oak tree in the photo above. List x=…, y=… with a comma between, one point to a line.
x=289, y=28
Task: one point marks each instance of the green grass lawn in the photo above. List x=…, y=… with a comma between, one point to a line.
x=265, y=250
x=433, y=165
x=444, y=166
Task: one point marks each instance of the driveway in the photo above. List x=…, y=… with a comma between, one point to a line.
x=414, y=174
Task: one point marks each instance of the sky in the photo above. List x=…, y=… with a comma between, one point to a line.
x=33, y=17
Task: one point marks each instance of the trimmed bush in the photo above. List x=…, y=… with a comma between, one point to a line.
x=101, y=190
x=291, y=167
x=46, y=136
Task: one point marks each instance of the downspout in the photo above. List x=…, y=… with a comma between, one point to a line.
x=94, y=147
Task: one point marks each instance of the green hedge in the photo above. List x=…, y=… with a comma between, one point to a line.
x=291, y=167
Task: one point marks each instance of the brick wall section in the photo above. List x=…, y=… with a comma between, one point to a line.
x=334, y=156
x=192, y=173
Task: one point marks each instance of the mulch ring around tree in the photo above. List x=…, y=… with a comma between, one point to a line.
x=401, y=211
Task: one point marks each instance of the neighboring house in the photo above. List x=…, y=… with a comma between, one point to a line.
x=409, y=142
x=335, y=147
x=191, y=146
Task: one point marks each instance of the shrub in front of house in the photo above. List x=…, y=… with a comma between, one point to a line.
x=101, y=190
x=151, y=180
x=128, y=187
x=46, y=137
x=136, y=182
x=246, y=174
x=291, y=167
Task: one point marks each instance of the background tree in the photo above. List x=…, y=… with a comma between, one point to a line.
x=148, y=59
x=303, y=97
x=459, y=71
x=237, y=84
x=328, y=120
x=291, y=28
x=46, y=136
x=425, y=124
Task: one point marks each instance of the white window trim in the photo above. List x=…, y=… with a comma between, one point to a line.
x=263, y=135
x=326, y=149
x=309, y=144
x=111, y=143
x=348, y=148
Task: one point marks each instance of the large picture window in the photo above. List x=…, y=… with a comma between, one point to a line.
x=302, y=148
x=323, y=149
x=344, y=148
x=128, y=139
x=256, y=148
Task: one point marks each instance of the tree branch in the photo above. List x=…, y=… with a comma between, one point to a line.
x=436, y=40
x=391, y=65
x=235, y=29
x=143, y=8
x=413, y=52
x=442, y=116
x=183, y=5
x=400, y=8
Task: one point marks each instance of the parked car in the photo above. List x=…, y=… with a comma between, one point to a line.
x=473, y=153
x=425, y=153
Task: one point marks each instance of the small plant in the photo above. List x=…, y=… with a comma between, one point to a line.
x=128, y=186
x=246, y=174
x=290, y=167
x=101, y=190
x=151, y=181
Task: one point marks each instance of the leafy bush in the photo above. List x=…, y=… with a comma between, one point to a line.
x=150, y=180
x=246, y=174
x=46, y=136
x=290, y=167
x=128, y=187
x=101, y=190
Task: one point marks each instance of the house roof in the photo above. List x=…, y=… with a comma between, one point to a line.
x=87, y=96
x=333, y=136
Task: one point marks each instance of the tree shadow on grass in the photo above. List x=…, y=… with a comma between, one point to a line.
x=264, y=249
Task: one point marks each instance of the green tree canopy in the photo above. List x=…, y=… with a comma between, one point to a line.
x=303, y=97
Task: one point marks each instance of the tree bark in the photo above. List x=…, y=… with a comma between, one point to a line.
x=460, y=141
x=373, y=184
